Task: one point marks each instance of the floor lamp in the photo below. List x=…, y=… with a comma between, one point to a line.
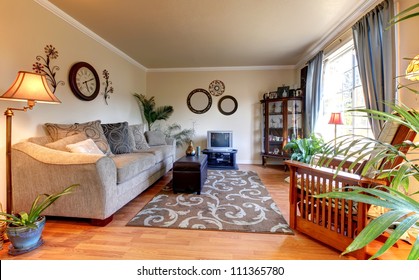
x=336, y=119
x=31, y=88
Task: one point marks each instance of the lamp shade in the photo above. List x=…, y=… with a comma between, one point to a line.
x=412, y=70
x=335, y=118
x=31, y=87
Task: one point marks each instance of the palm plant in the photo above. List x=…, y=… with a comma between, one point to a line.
x=403, y=210
x=149, y=110
x=182, y=136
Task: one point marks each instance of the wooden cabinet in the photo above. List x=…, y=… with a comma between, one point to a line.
x=282, y=119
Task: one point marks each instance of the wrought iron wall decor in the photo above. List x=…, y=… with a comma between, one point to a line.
x=108, y=88
x=204, y=99
x=44, y=66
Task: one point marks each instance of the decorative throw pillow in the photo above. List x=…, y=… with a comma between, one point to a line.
x=137, y=138
x=87, y=146
x=155, y=138
x=91, y=129
x=118, y=137
x=62, y=143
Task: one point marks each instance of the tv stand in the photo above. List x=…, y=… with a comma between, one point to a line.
x=221, y=159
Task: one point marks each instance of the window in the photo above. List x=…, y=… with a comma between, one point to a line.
x=342, y=90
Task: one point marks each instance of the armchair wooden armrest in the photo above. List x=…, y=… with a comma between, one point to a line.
x=334, y=222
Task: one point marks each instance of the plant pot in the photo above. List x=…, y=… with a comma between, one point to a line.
x=24, y=239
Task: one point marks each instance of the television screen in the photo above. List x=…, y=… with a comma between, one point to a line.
x=220, y=140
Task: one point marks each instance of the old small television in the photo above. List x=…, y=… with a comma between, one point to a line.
x=219, y=140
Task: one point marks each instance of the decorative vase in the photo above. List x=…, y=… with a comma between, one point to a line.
x=25, y=239
x=190, y=151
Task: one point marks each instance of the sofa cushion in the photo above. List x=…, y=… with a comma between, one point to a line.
x=118, y=137
x=130, y=165
x=160, y=152
x=62, y=143
x=155, y=137
x=137, y=138
x=87, y=146
x=92, y=129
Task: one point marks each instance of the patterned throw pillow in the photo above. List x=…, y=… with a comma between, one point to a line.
x=155, y=138
x=137, y=138
x=118, y=137
x=92, y=130
x=87, y=146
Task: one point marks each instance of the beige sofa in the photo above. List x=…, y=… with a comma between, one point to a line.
x=107, y=181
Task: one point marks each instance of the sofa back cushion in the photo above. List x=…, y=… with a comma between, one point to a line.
x=137, y=138
x=118, y=137
x=155, y=137
x=92, y=129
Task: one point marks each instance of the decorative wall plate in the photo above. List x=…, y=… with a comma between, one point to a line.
x=216, y=87
x=227, y=105
x=199, y=101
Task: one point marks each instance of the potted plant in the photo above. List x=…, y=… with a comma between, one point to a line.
x=303, y=149
x=24, y=229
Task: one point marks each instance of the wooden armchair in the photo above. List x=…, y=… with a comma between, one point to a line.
x=334, y=222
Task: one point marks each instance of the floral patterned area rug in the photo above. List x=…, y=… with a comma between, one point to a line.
x=230, y=200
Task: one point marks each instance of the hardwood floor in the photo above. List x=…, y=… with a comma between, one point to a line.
x=71, y=239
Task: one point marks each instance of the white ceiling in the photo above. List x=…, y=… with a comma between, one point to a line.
x=213, y=33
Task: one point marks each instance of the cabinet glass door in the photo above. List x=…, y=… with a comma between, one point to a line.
x=275, y=127
x=294, y=119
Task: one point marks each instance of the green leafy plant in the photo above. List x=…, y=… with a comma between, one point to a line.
x=150, y=111
x=303, y=149
x=181, y=136
x=403, y=210
x=153, y=115
x=41, y=202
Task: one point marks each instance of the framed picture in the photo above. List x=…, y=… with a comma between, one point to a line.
x=273, y=94
x=283, y=91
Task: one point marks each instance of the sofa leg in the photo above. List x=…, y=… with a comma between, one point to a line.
x=101, y=223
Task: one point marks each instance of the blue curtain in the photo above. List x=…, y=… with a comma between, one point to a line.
x=313, y=92
x=375, y=52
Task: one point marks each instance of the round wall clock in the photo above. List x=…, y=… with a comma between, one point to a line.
x=84, y=81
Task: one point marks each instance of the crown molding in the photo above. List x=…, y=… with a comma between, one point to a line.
x=70, y=20
x=220, y=69
x=338, y=30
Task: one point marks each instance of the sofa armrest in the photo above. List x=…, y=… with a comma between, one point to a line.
x=51, y=156
x=37, y=169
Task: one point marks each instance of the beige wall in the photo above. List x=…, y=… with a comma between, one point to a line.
x=247, y=87
x=26, y=28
